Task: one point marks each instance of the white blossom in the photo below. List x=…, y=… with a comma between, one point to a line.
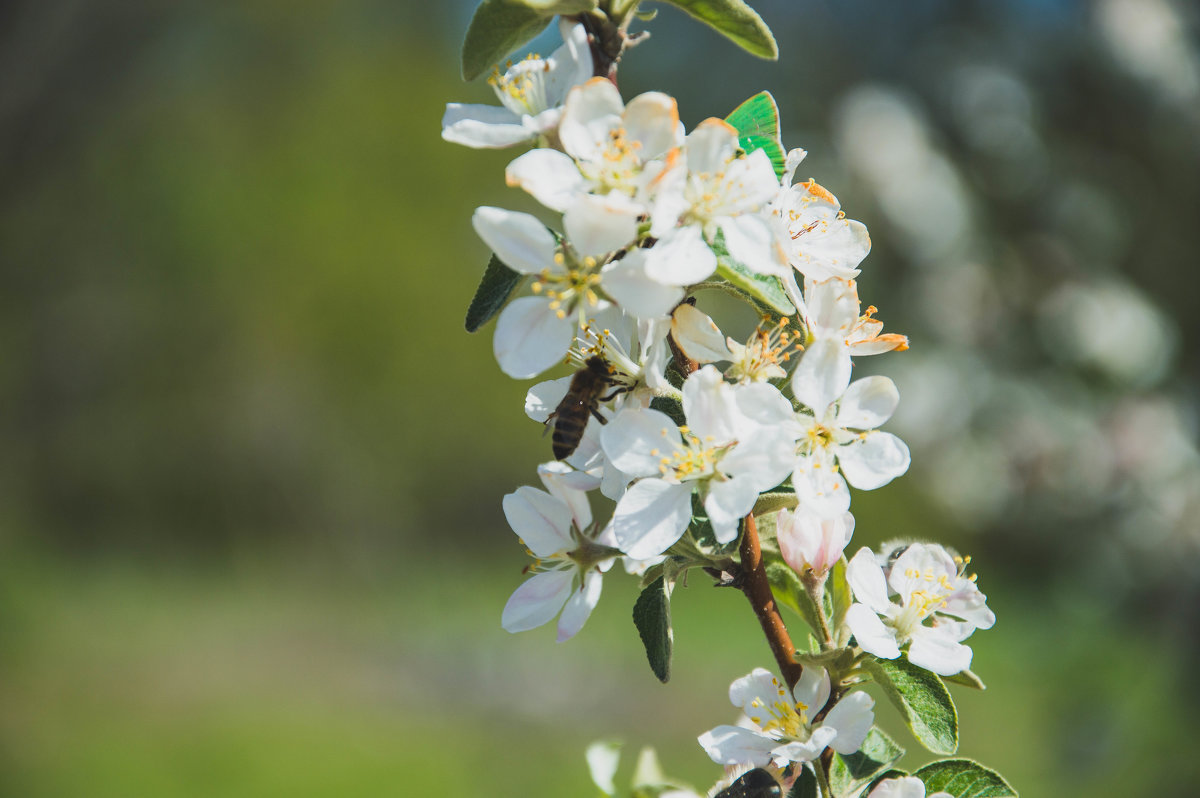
x=904, y=787
x=780, y=729
x=929, y=585
x=809, y=542
x=722, y=453
x=554, y=526
x=531, y=94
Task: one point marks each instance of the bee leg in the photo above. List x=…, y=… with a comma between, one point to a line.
x=616, y=393
x=598, y=417
x=548, y=424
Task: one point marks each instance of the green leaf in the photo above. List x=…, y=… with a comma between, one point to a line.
x=921, y=698
x=963, y=778
x=762, y=288
x=839, y=591
x=494, y=289
x=757, y=124
x=652, y=616
x=805, y=785
x=878, y=752
x=498, y=28
x=735, y=20
x=966, y=678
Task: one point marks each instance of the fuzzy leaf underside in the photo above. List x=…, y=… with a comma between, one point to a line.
x=878, y=752
x=498, y=28
x=494, y=289
x=652, y=616
x=922, y=699
x=757, y=124
x=736, y=21
x=805, y=785
x=964, y=778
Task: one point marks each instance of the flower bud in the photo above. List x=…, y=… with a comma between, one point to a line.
x=808, y=541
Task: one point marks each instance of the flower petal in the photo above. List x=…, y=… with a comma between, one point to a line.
x=549, y=175
x=870, y=633
x=867, y=581
x=733, y=745
x=680, y=257
x=751, y=242
x=651, y=516
x=590, y=113
x=625, y=280
x=698, y=335
x=710, y=146
x=541, y=521
x=521, y=241
x=637, y=440
x=597, y=225
x=579, y=606
x=652, y=123
x=820, y=487
x=852, y=717
x=937, y=652
x=727, y=503
x=822, y=374
x=867, y=403
x=530, y=337
x=483, y=126
x=873, y=460
x=536, y=601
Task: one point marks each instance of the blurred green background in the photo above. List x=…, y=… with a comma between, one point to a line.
x=250, y=529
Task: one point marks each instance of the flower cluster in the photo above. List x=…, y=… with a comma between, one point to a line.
x=690, y=435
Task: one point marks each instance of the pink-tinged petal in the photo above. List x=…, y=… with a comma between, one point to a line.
x=590, y=113
x=822, y=374
x=873, y=460
x=710, y=146
x=597, y=225
x=530, y=337
x=867, y=581
x=870, y=633
x=680, y=257
x=651, y=516
x=537, y=601
x=543, y=398
x=751, y=242
x=698, y=335
x=808, y=541
x=727, y=503
x=867, y=403
x=733, y=745
x=550, y=176
x=820, y=487
x=638, y=439
x=852, y=718
x=579, y=606
x=652, y=124
x=832, y=307
x=939, y=653
x=542, y=522
x=518, y=239
x=483, y=126
x=625, y=280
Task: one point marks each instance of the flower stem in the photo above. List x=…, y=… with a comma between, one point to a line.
x=758, y=590
x=816, y=592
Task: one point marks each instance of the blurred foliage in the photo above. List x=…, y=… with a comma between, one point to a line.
x=236, y=257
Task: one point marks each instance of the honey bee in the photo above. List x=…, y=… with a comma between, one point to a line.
x=582, y=400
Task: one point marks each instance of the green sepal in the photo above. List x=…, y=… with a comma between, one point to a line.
x=757, y=124
x=805, y=785
x=736, y=21
x=789, y=591
x=494, y=289
x=922, y=699
x=672, y=408
x=838, y=589
x=652, y=617
x=964, y=778
x=501, y=26
x=762, y=288
x=770, y=502
x=850, y=770
x=966, y=678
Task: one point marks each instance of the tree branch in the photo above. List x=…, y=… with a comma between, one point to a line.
x=758, y=590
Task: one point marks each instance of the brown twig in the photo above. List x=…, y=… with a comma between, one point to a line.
x=758, y=591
